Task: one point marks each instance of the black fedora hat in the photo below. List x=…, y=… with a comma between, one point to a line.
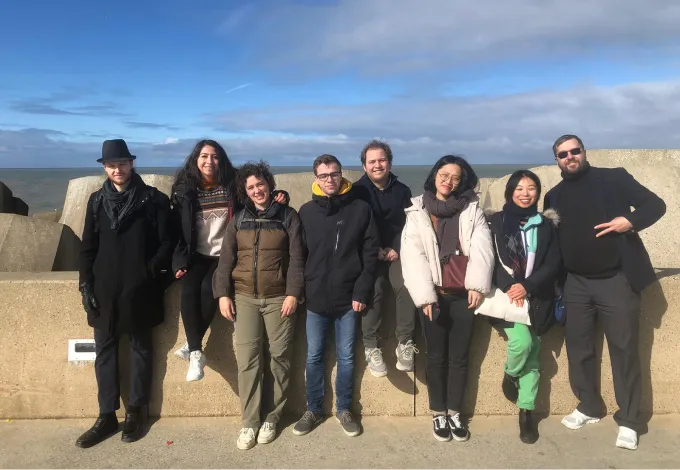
x=115, y=150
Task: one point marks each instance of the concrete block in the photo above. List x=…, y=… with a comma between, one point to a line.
x=28, y=244
x=10, y=204
x=52, y=216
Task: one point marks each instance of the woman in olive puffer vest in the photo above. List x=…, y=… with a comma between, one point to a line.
x=259, y=281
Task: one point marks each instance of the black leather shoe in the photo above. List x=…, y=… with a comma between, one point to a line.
x=511, y=388
x=528, y=432
x=105, y=426
x=135, y=423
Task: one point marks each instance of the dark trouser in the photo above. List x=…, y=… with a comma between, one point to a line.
x=613, y=302
x=106, y=369
x=448, y=345
x=198, y=304
x=405, y=309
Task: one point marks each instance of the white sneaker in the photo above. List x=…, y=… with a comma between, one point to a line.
x=576, y=420
x=246, y=439
x=196, y=364
x=267, y=433
x=627, y=438
x=183, y=352
x=376, y=365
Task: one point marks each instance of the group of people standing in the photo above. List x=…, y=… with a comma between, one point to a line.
x=230, y=237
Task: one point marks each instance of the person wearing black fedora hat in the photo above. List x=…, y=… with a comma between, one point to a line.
x=126, y=248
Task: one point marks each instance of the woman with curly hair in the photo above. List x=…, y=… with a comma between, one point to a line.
x=259, y=281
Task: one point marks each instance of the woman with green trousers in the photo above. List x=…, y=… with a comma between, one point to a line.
x=526, y=270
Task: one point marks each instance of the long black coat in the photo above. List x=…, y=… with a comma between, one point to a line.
x=127, y=265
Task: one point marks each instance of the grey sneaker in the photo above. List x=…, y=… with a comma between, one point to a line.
x=308, y=422
x=405, y=356
x=348, y=423
x=375, y=362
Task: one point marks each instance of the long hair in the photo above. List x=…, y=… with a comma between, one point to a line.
x=468, y=179
x=190, y=175
x=514, y=180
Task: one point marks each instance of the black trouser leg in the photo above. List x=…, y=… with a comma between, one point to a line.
x=141, y=358
x=106, y=370
x=619, y=308
x=198, y=304
x=372, y=317
x=405, y=309
x=579, y=335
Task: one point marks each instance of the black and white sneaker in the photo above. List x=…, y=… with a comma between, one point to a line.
x=459, y=430
x=441, y=429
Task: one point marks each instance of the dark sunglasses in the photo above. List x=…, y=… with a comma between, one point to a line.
x=573, y=152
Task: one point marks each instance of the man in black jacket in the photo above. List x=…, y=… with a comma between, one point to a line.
x=125, y=257
x=342, y=244
x=607, y=268
x=388, y=198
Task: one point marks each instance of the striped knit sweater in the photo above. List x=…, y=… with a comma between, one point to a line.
x=215, y=211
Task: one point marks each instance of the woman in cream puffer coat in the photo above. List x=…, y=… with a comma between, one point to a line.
x=447, y=220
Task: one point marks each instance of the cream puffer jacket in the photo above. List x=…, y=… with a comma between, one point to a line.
x=420, y=252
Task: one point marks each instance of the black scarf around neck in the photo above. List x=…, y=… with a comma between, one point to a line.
x=448, y=218
x=513, y=219
x=120, y=205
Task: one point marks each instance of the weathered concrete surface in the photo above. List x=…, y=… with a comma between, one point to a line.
x=385, y=443
x=631, y=158
x=42, y=311
x=483, y=188
x=52, y=216
x=10, y=204
x=29, y=244
x=40, y=383
x=299, y=185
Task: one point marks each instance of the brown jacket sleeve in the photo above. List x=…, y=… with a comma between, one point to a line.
x=222, y=282
x=295, y=277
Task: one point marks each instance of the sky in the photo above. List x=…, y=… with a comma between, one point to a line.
x=284, y=80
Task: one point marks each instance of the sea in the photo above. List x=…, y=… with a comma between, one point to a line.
x=44, y=189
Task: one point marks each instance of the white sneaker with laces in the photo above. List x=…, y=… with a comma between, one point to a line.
x=196, y=364
x=576, y=420
x=267, y=433
x=246, y=439
x=376, y=364
x=627, y=438
x=183, y=352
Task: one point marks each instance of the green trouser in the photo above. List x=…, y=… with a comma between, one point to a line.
x=523, y=362
x=253, y=318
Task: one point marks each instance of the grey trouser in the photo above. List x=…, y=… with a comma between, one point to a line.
x=617, y=306
x=389, y=273
x=253, y=318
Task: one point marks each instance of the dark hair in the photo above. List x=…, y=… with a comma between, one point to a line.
x=468, y=178
x=376, y=145
x=326, y=159
x=514, y=180
x=259, y=170
x=564, y=138
x=190, y=175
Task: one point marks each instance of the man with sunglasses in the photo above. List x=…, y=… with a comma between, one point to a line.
x=607, y=267
x=342, y=244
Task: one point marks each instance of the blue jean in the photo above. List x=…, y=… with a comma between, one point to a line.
x=318, y=327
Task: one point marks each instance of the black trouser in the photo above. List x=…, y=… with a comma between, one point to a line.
x=106, y=369
x=448, y=345
x=198, y=304
x=617, y=306
x=389, y=273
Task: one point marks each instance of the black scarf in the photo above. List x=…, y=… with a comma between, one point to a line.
x=448, y=218
x=513, y=219
x=120, y=205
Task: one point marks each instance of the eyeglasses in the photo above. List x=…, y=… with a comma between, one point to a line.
x=324, y=176
x=573, y=152
x=444, y=177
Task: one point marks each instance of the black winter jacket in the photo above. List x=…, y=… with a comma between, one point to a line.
x=388, y=207
x=342, y=244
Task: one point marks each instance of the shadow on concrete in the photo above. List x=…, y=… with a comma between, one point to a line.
x=219, y=350
x=481, y=337
x=552, y=344
x=68, y=251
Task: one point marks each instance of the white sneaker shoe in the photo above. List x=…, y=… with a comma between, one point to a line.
x=627, y=438
x=246, y=439
x=196, y=364
x=267, y=433
x=183, y=352
x=576, y=420
x=376, y=364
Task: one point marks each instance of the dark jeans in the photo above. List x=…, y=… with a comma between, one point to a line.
x=198, y=304
x=389, y=274
x=318, y=327
x=617, y=306
x=106, y=369
x=448, y=340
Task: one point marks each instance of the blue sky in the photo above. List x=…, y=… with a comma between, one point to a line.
x=287, y=80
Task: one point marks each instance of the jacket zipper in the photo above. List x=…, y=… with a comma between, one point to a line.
x=256, y=249
x=337, y=239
